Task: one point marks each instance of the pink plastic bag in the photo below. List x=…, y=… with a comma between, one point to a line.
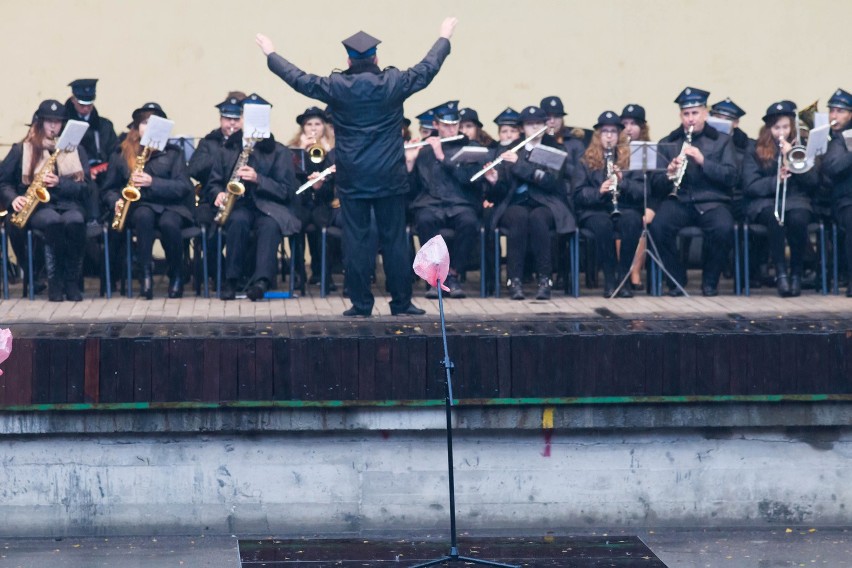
x=432, y=262
x=5, y=345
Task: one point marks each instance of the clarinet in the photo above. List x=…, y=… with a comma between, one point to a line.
x=677, y=178
x=612, y=175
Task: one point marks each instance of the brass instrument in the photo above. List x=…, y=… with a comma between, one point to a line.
x=780, y=186
x=235, y=188
x=806, y=115
x=36, y=193
x=797, y=157
x=677, y=178
x=316, y=153
x=130, y=193
x=612, y=174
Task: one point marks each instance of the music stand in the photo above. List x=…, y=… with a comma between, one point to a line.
x=453, y=555
x=644, y=149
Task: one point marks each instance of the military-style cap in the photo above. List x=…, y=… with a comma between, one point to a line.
x=781, y=108
x=691, y=97
x=426, y=119
x=448, y=113
x=84, y=90
x=553, y=106
x=609, y=118
x=509, y=117
x=255, y=99
x=153, y=108
x=231, y=107
x=50, y=110
x=361, y=45
x=533, y=114
x=311, y=112
x=727, y=109
x=469, y=115
x=634, y=111
x=840, y=99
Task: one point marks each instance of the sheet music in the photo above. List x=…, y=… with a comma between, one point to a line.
x=471, y=155
x=643, y=156
x=817, y=142
x=847, y=137
x=548, y=157
x=820, y=119
x=256, y=121
x=157, y=132
x=721, y=124
x=71, y=135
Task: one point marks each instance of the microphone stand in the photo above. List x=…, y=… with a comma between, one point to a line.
x=453, y=555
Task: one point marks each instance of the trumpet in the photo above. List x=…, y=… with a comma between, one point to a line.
x=677, y=178
x=130, y=193
x=36, y=193
x=426, y=143
x=612, y=174
x=235, y=188
x=316, y=153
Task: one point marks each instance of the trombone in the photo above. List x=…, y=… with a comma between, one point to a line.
x=781, y=186
x=797, y=156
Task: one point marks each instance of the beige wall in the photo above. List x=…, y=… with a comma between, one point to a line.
x=597, y=55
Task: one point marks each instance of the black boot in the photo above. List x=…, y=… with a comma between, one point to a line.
x=229, y=292
x=544, y=286
x=782, y=282
x=73, y=277
x=795, y=284
x=54, y=278
x=176, y=285
x=516, y=290
x=147, y=283
x=258, y=288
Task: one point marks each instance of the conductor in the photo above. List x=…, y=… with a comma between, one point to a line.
x=366, y=103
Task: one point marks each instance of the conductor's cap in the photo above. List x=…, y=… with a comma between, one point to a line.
x=361, y=45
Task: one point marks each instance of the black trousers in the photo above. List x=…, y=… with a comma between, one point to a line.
x=359, y=250
x=527, y=226
x=628, y=227
x=717, y=225
x=237, y=237
x=794, y=232
x=65, y=232
x=428, y=223
x=844, y=219
x=145, y=222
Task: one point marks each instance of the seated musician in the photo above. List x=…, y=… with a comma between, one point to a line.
x=763, y=182
x=704, y=165
x=265, y=208
x=470, y=126
x=837, y=166
x=444, y=197
x=572, y=140
x=604, y=164
x=165, y=204
x=636, y=128
x=532, y=200
x=62, y=218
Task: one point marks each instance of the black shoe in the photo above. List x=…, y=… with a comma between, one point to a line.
x=782, y=282
x=354, y=312
x=625, y=292
x=608, y=291
x=455, y=288
x=544, y=286
x=176, y=287
x=147, y=283
x=676, y=293
x=411, y=310
x=229, y=292
x=315, y=279
x=256, y=291
x=516, y=290
x=709, y=291
x=73, y=277
x=795, y=285
x=431, y=293
x=849, y=292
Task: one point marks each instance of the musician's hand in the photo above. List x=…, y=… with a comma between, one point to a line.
x=264, y=43
x=141, y=179
x=317, y=185
x=18, y=203
x=220, y=198
x=118, y=205
x=511, y=157
x=649, y=216
x=785, y=172
x=435, y=143
x=247, y=173
x=785, y=147
x=491, y=175
x=673, y=166
x=606, y=185
x=51, y=179
x=696, y=154
x=487, y=204
x=306, y=141
x=448, y=26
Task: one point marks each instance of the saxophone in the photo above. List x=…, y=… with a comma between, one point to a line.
x=235, y=188
x=130, y=193
x=612, y=175
x=677, y=178
x=36, y=193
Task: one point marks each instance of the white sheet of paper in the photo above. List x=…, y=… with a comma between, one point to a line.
x=639, y=151
x=157, y=132
x=72, y=134
x=817, y=142
x=256, y=121
x=820, y=119
x=721, y=124
x=847, y=137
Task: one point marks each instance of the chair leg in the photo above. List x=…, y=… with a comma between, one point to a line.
x=5, y=263
x=128, y=242
x=323, y=261
x=482, y=253
x=746, y=262
x=292, y=240
x=834, y=270
x=575, y=265
x=107, y=271
x=30, y=283
x=219, y=262
x=204, y=270
x=737, y=283
x=823, y=268
x=496, y=263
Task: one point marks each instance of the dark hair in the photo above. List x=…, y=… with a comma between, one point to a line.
x=766, y=146
x=361, y=65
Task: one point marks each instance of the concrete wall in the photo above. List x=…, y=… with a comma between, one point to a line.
x=276, y=473
x=187, y=54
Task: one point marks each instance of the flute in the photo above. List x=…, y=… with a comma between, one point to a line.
x=323, y=174
x=426, y=143
x=523, y=143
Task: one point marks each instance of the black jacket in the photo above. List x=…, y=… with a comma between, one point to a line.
x=546, y=187
x=205, y=155
x=575, y=148
x=588, y=199
x=445, y=184
x=275, y=188
x=170, y=189
x=368, y=115
x=100, y=140
x=760, y=181
x=837, y=166
x=708, y=186
x=68, y=195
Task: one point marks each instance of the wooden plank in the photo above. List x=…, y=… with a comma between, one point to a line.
x=418, y=348
x=229, y=374
x=247, y=368
x=281, y=364
x=366, y=368
x=739, y=355
x=143, y=368
x=436, y=377
x=112, y=360
x=124, y=383
x=786, y=351
x=161, y=388
x=402, y=387
x=41, y=371
x=504, y=366
x=484, y=353
x=58, y=371
x=384, y=368
x=18, y=371
x=299, y=365
x=75, y=382
x=92, y=379
x=654, y=350
x=345, y=367
x=193, y=383
x=264, y=368
x=211, y=370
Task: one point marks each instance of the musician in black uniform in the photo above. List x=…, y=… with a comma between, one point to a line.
x=532, y=200
x=62, y=218
x=470, y=126
x=573, y=140
x=637, y=129
x=266, y=207
x=371, y=175
x=605, y=163
x=762, y=183
x=100, y=139
x=443, y=197
x=837, y=166
x=165, y=204
x=704, y=197
x=427, y=124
